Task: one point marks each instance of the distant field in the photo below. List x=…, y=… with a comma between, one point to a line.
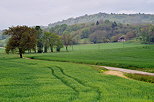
x=25, y=80
x=127, y=55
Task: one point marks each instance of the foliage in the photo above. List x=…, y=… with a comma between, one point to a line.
x=96, y=33
x=52, y=40
x=99, y=37
x=22, y=38
x=39, y=39
x=147, y=34
x=120, y=18
x=140, y=77
x=48, y=39
x=67, y=40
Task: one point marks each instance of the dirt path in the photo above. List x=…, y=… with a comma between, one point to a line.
x=128, y=70
x=115, y=73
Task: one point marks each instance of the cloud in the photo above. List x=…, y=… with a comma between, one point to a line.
x=43, y=12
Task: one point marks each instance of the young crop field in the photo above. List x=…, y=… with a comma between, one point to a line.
x=27, y=80
x=127, y=55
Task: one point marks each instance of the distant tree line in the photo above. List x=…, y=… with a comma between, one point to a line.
x=139, y=18
x=103, y=31
x=99, y=32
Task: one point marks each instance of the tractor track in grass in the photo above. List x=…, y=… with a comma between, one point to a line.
x=77, y=82
x=111, y=68
x=64, y=82
x=80, y=82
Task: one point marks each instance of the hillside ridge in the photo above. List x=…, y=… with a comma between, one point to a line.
x=120, y=18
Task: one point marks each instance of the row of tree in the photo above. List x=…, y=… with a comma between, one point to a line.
x=24, y=38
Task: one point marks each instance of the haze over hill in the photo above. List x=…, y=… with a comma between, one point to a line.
x=120, y=18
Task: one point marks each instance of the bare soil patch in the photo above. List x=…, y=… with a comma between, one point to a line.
x=115, y=73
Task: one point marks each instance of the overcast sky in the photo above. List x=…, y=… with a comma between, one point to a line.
x=43, y=12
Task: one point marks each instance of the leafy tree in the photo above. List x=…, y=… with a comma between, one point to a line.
x=130, y=35
x=147, y=34
x=39, y=39
x=52, y=40
x=67, y=40
x=85, y=33
x=58, y=43
x=22, y=38
x=46, y=40
x=99, y=37
x=114, y=24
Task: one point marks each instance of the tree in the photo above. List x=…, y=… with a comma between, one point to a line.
x=22, y=38
x=52, y=40
x=114, y=24
x=99, y=37
x=147, y=34
x=39, y=39
x=130, y=35
x=67, y=40
x=59, y=43
x=97, y=23
x=85, y=33
x=46, y=41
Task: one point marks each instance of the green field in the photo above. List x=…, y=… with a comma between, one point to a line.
x=127, y=55
x=25, y=80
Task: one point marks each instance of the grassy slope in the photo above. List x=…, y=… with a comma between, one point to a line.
x=133, y=56
x=34, y=80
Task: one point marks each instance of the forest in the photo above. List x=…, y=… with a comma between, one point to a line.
x=139, y=18
x=105, y=31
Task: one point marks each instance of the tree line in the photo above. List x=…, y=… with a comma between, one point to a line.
x=24, y=38
x=103, y=31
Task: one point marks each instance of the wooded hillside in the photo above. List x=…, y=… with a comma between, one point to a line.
x=120, y=18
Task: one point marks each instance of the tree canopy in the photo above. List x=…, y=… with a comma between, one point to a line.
x=22, y=38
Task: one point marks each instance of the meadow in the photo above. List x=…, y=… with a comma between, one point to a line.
x=128, y=55
x=27, y=80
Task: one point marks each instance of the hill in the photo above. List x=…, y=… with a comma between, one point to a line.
x=99, y=32
x=120, y=18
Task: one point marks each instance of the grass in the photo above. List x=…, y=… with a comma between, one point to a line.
x=1, y=50
x=145, y=78
x=25, y=80
x=127, y=55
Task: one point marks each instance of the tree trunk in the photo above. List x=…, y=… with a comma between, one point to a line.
x=66, y=48
x=51, y=48
x=45, y=49
x=20, y=55
x=20, y=52
x=58, y=49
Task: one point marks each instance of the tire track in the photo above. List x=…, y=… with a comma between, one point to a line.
x=64, y=82
x=82, y=84
x=96, y=89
